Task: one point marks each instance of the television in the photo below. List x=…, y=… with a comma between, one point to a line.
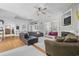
x=67, y=21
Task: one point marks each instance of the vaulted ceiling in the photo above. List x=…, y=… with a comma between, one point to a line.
x=27, y=10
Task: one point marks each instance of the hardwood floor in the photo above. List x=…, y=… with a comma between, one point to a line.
x=10, y=43
x=14, y=42
x=39, y=48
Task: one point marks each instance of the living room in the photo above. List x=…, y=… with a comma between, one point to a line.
x=32, y=29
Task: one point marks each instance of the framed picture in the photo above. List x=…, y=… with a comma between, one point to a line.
x=7, y=29
x=17, y=27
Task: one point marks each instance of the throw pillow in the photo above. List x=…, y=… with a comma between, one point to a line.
x=71, y=38
x=26, y=35
x=59, y=39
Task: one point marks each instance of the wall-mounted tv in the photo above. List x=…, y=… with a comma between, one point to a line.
x=67, y=21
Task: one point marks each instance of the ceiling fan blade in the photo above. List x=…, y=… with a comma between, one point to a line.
x=43, y=12
x=44, y=8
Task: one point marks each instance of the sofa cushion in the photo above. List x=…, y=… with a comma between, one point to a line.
x=32, y=37
x=59, y=39
x=37, y=34
x=71, y=38
x=26, y=35
x=53, y=33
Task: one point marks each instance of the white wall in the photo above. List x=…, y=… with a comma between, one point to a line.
x=43, y=19
x=9, y=19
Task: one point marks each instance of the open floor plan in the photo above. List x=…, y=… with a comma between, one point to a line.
x=39, y=29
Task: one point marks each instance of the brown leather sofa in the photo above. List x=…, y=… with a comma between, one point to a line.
x=54, y=48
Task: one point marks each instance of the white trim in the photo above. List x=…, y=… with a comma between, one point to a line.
x=67, y=11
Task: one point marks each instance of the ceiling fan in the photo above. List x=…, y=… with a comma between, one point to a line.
x=41, y=9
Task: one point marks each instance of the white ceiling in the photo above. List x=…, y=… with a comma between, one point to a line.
x=22, y=9
x=57, y=7
x=27, y=10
